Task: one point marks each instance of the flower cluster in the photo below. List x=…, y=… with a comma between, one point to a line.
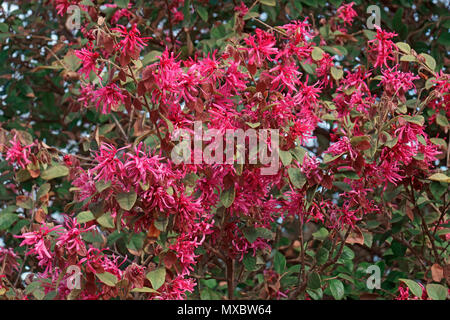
x=353, y=143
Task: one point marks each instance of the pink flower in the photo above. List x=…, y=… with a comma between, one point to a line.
x=381, y=48
x=389, y=172
x=132, y=41
x=8, y=258
x=323, y=70
x=70, y=239
x=185, y=253
x=354, y=93
x=18, y=153
x=346, y=13
x=260, y=47
x=308, y=95
x=286, y=76
x=341, y=147
x=241, y=9
x=135, y=274
x=85, y=184
x=63, y=5
x=120, y=12
x=176, y=289
x=89, y=60
x=40, y=245
x=302, y=129
x=298, y=31
x=109, y=167
x=397, y=82
x=108, y=98
x=177, y=15
x=86, y=94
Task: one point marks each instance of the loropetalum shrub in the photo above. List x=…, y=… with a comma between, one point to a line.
x=94, y=206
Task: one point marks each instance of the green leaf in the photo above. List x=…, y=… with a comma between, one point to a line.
x=264, y=233
x=144, y=290
x=43, y=190
x=271, y=3
x=35, y=285
x=342, y=185
x=346, y=277
x=413, y=286
x=309, y=68
x=408, y=58
x=397, y=23
x=25, y=203
x=279, y=262
x=126, y=200
x=97, y=208
x=253, y=125
x=391, y=143
x=122, y=3
x=315, y=294
x=157, y=277
x=169, y=123
x=151, y=57
x=297, y=178
x=286, y=157
x=136, y=242
x=348, y=174
x=107, y=278
x=438, y=189
x=347, y=255
x=430, y=83
x=429, y=61
x=227, y=197
x=314, y=281
x=404, y=47
x=317, y=54
x=203, y=13
x=327, y=158
x=85, y=216
x=251, y=14
x=336, y=288
x=442, y=120
x=71, y=61
x=161, y=223
x=3, y=27
x=7, y=219
x=369, y=34
x=420, y=120
x=102, y=185
x=322, y=255
x=106, y=221
x=39, y=294
x=55, y=171
x=439, y=142
x=23, y=175
x=436, y=291
x=299, y=153
x=337, y=73
x=51, y=295
x=251, y=234
x=321, y=234
x=249, y=262
x=441, y=177
x=88, y=3
x=444, y=38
